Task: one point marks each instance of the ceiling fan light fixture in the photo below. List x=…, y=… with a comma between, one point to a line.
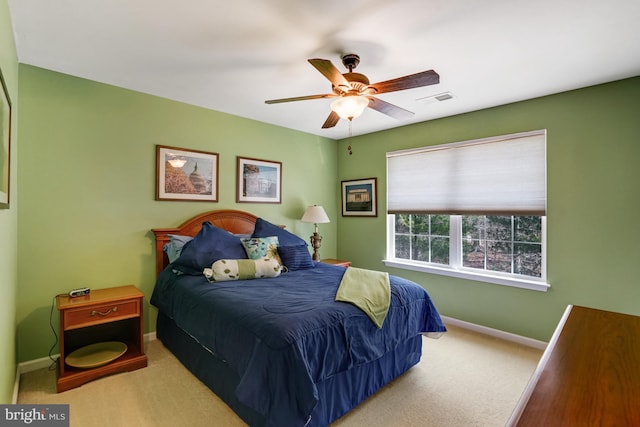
x=350, y=106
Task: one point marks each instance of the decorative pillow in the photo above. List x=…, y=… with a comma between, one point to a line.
x=265, y=229
x=209, y=245
x=260, y=247
x=175, y=245
x=243, y=269
x=296, y=257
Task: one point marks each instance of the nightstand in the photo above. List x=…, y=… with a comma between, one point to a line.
x=113, y=314
x=336, y=262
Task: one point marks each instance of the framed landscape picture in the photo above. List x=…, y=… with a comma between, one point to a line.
x=258, y=181
x=5, y=143
x=359, y=197
x=183, y=174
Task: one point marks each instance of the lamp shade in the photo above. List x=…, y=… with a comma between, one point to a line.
x=350, y=106
x=315, y=214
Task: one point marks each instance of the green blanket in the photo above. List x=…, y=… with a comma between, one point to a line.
x=368, y=290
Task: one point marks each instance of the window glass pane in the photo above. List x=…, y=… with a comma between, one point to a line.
x=528, y=229
x=473, y=241
x=403, y=246
x=499, y=256
x=420, y=248
x=498, y=228
x=528, y=259
x=440, y=250
x=439, y=225
x=420, y=224
x=473, y=227
x=472, y=253
x=402, y=223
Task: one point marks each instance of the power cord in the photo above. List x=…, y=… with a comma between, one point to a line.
x=54, y=362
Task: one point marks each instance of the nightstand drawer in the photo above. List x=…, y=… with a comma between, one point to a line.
x=96, y=314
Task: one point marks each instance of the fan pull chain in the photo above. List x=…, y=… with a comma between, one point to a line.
x=350, y=135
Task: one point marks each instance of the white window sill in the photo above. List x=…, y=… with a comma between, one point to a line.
x=534, y=285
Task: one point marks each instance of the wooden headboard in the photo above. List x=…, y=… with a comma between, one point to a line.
x=236, y=222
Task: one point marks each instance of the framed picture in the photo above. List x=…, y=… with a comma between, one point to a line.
x=258, y=181
x=5, y=144
x=189, y=175
x=359, y=197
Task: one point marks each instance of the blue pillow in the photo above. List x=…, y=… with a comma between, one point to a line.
x=209, y=245
x=266, y=229
x=175, y=245
x=295, y=257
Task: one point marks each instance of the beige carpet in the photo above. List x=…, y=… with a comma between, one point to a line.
x=464, y=379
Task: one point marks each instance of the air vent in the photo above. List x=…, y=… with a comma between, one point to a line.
x=443, y=96
x=439, y=97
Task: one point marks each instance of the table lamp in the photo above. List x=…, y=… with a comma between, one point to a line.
x=316, y=215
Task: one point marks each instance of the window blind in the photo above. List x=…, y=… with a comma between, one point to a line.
x=503, y=175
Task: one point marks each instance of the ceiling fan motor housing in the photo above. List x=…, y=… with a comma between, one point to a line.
x=359, y=82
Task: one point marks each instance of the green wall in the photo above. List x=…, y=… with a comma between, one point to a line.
x=593, y=195
x=87, y=177
x=87, y=187
x=9, y=219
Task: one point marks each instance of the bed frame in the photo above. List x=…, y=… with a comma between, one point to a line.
x=222, y=380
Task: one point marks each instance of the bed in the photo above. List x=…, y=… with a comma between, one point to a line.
x=280, y=351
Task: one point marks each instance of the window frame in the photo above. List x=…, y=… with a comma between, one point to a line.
x=455, y=267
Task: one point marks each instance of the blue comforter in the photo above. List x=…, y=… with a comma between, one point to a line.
x=283, y=335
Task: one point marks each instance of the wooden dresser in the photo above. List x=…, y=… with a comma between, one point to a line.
x=589, y=375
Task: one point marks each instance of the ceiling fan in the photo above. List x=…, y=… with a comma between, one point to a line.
x=354, y=92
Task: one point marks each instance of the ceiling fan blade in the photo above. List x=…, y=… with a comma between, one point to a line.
x=425, y=78
x=389, y=109
x=330, y=72
x=301, y=98
x=331, y=121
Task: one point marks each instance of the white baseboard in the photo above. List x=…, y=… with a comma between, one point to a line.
x=519, y=339
x=34, y=365
x=16, y=386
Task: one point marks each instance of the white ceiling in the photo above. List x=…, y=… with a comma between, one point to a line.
x=231, y=56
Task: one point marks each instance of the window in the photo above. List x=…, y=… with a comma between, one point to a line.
x=474, y=209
